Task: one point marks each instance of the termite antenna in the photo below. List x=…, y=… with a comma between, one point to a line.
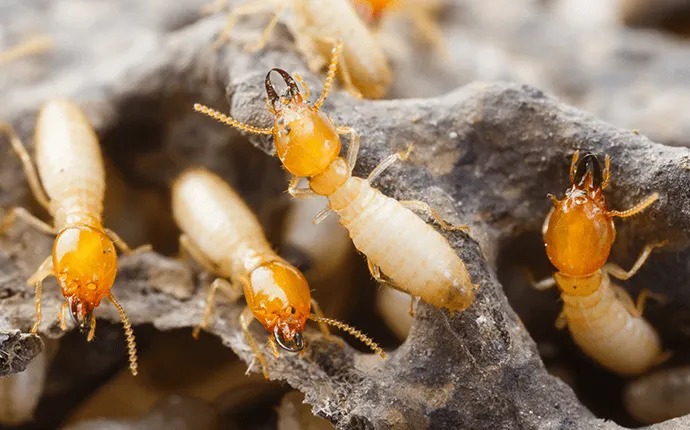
x=129, y=334
x=221, y=117
x=353, y=331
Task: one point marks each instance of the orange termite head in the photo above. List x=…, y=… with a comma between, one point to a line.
x=279, y=297
x=85, y=263
x=306, y=140
x=371, y=10
x=580, y=229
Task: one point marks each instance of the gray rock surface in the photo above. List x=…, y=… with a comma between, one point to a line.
x=485, y=154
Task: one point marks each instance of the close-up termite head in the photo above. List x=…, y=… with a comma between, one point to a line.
x=580, y=230
x=85, y=264
x=306, y=140
x=279, y=296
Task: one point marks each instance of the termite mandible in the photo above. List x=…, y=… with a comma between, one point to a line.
x=70, y=185
x=413, y=256
x=223, y=235
x=600, y=315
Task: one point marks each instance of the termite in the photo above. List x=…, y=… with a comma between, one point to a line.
x=413, y=256
x=659, y=396
x=32, y=46
x=223, y=235
x=419, y=12
x=316, y=25
x=70, y=185
x=600, y=315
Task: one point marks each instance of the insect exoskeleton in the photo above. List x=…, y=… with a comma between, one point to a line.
x=222, y=234
x=600, y=315
x=413, y=256
x=316, y=26
x=659, y=396
x=71, y=188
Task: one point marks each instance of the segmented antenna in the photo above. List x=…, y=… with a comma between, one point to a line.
x=221, y=117
x=129, y=334
x=330, y=76
x=353, y=331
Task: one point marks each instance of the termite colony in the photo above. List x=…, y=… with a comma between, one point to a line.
x=405, y=243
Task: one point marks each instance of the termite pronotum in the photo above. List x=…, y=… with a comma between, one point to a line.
x=600, y=315
x=659, y=396
x=397, y=243
x=222, y=234
x=71, y=188
x=35, y=45
x=316, y=25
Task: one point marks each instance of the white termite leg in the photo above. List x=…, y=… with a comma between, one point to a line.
x=33, y=46
x=234, y=293
x=266, y=34
x=28, y=165
x=245, y=319
x=353, y=146
x=25, y=216
x=299, y=193
x=387, y=162
x=617, y=272
x=61, y=316
x=44, y=270
x=122, y=245
x=307, y=91
x=419, y=206
x=242, y=10
x=188, y=246
x=322, y=325
x=544, y=284
x=322, y=215
x=380, y=278
x=635, y=309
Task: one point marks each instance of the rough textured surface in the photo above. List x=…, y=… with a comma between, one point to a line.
x=486, y=154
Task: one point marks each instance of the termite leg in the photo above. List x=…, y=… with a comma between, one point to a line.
x=35, y=45
x=413, y=301
x=635, y=209
x=245, y=9
x=122, y=245
x=25, y=216
x=561, y=321
x=381, y=279
x=61, y=316
x=432, y=33
x=28, y=165
x=387, y=162
x=573, y=165
x=245, y=319
x=636, y=309
x=44, y=270
x=322, y=325
x=419, y=206
x=606, y=173
x=307, y=91
x=266, y=34
x=92, y=330
x=545, y=284
x=322, y=215
x=619, y=273
x=235, y=293
x=353, y=146
x=299, y=193
x=214, y=7
x=187, y=245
